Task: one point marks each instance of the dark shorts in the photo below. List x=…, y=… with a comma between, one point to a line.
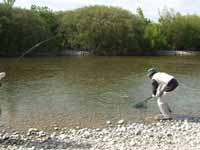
x=172, y=85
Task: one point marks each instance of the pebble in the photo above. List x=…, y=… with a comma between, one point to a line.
x=138, y=132
x=53, y=135
x=121, y=121
x=154, y=136
x=32, y=131
x=55, y=128
x=41, y=134
x=62, y=136
x=108, y=122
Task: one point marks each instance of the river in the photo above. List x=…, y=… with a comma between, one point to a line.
x=88, y=91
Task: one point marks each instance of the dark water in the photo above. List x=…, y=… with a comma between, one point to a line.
x=87, y=91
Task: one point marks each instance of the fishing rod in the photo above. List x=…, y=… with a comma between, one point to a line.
x=31, y=49
x=35, y=46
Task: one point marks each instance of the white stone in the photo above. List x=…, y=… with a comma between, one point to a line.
x=62, y=136
x=53, y=135
x=32, y=148
x=55, y=128
x=108, y=122
x=138, y=132
x=41, y=134
x=97, y=129
x=132, y=143
x=5, y=136
x=32, y=131
x=121, y=121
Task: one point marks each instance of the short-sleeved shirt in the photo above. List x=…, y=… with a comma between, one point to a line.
x=160, y=80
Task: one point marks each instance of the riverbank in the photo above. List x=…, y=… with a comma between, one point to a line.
x=177, y=53
x=165, y=135
x=87, y=53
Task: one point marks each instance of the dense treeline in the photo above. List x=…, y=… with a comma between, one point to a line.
x=20, y=29
x=102, y=30
x=99, y=29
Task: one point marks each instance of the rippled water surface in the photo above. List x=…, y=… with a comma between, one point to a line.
x=87, y=91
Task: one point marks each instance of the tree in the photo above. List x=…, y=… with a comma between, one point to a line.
x=9, y=3
x=47, y=15
x=140, y=14
x=101, y=30
x=181, y=32
x=156, y=40
x=142, y=24
x=186, y=32
x=20, y=30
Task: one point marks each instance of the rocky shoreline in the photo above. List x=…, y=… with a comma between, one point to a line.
x=165, y=135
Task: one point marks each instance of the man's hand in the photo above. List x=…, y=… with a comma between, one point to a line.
x=160, y=93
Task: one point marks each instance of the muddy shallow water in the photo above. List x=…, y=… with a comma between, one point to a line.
x=88, y=91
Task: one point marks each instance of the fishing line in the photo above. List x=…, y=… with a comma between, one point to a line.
x=6, y=68
x=35, y=46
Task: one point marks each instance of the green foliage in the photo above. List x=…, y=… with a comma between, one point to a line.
x=99, y=29
x=102, y=30
x=9, y=3
x=142, y=24
x=51, y=22
x=156, y=40
x=47, y=16
x=181, y=32
x=20, y=30
x=140, y=14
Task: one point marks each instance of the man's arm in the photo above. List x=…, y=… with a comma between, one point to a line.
x=154, y=87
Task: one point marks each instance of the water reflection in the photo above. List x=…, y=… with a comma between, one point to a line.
x=90, y=90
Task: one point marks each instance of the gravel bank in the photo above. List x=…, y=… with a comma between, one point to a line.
x=167, y=135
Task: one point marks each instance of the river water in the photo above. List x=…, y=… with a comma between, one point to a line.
x=88, y=91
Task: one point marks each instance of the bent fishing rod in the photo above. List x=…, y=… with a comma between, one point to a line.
x=35, y=46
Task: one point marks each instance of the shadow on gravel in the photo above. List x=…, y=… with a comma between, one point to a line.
x=187, y=117
x=47, y=144
x=176, y=117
